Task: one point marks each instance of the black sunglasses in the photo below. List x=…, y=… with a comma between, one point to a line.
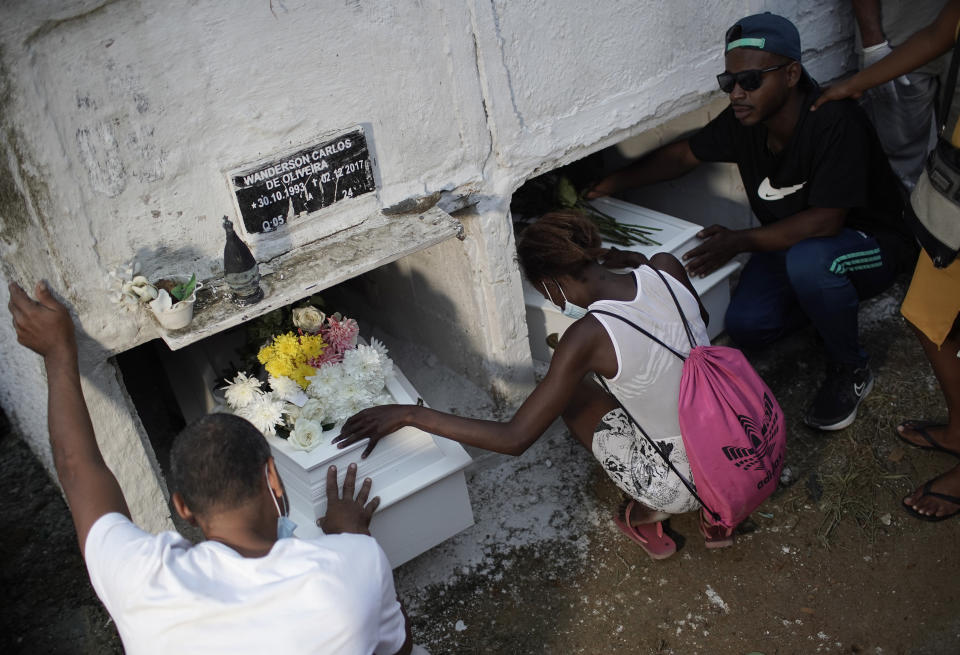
x=748, y=80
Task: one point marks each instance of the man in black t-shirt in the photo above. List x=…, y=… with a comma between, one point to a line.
x=828, y=204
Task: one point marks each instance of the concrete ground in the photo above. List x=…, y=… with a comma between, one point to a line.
x=829, y=564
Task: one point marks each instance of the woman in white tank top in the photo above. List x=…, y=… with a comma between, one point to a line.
x=647, y=383
x=560, y=255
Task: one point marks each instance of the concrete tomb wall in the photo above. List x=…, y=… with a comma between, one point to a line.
x=120, y=120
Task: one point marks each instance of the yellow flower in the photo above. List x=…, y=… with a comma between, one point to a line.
x=266, y=353
x=280, y=366
x=287, y=344
x=312, y=346
x=300, y=374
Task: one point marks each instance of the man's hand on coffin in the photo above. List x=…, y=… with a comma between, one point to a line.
x=374, y=423
x=720, y=245
x=43, y=325
x=346, y=513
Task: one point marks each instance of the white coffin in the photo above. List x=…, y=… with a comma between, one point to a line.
x=676, y=236
x=418, y=476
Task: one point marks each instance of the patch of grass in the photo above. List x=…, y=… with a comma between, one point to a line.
x=857, y=485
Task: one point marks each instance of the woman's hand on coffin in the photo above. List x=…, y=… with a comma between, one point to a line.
x=346, y=513
x=373, y=423
x=719, y=246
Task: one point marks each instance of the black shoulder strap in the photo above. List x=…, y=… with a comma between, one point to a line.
x=683, y=317
x=656, y=447
x=637, y=327
x=950, y=86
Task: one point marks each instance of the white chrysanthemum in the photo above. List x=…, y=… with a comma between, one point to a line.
x=384, y=398
x=374, y=383
x=362, y=362
x=307, y=435
x=350, y=399
x=284, y=387
x=386, y=364
x=326, y=381
x=242, y=391
x=266, y=413
x=380, y=347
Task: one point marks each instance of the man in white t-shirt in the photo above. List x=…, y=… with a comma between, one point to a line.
x=246, y=588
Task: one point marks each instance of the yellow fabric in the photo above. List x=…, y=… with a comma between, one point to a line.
x=933, y=299
x=955, y=135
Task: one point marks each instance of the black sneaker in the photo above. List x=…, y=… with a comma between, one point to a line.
x=835, y=406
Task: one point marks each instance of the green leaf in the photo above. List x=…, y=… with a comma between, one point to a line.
x=566, y=193
x=183, y=291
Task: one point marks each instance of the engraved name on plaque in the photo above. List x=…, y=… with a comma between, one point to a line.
x=272, y=194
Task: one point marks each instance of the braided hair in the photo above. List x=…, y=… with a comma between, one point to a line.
x=559, y=243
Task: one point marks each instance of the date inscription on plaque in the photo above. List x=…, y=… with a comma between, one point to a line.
x=272, y=194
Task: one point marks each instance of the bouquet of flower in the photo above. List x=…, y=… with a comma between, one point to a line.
x=555, y=191
x=318, y=377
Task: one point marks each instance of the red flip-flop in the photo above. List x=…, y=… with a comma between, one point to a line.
x=649, y=536
x=715, y=536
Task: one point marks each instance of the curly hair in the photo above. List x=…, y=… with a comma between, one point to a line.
x=217, y=463
x=559, y=243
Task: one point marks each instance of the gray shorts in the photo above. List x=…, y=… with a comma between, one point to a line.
x=638, y=470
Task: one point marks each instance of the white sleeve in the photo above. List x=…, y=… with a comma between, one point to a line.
x=118, y=555
x=393, y=631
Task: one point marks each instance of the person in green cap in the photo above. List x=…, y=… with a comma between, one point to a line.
x=829, y=207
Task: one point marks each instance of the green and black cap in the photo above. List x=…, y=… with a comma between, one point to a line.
x=767, y=32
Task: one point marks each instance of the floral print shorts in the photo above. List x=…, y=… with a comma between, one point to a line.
x=637, y=469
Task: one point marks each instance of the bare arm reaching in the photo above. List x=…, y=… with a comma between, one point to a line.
x=665, y=163
x=924, y=46
x=45, y=327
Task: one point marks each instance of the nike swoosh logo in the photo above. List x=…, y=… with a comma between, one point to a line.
x=767, y=191
x=858, y=388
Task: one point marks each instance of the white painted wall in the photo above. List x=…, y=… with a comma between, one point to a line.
x=119, y=119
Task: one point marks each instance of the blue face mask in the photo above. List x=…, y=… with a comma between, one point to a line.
x=285, y=526
x=575, y=312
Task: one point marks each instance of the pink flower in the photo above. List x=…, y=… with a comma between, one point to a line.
x=341, y=335
x=329, y=356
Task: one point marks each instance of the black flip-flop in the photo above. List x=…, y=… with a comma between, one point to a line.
x=920, y=427
x=933, y=518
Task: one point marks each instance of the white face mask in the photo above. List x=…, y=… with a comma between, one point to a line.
x=285, y=526
x=569, y=310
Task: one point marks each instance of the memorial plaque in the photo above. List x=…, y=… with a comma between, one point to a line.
x=275, y=193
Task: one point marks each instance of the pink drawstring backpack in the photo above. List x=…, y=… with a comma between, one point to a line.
x=732, y=428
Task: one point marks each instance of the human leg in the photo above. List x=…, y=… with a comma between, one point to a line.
x=829, y=276
x=582, y=415
x=593, y=411
x=946, y=368
x=935, y=498
x=932, y=306
x=905, y=124
x=763, y=307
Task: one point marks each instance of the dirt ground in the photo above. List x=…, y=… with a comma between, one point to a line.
x=830, y=564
